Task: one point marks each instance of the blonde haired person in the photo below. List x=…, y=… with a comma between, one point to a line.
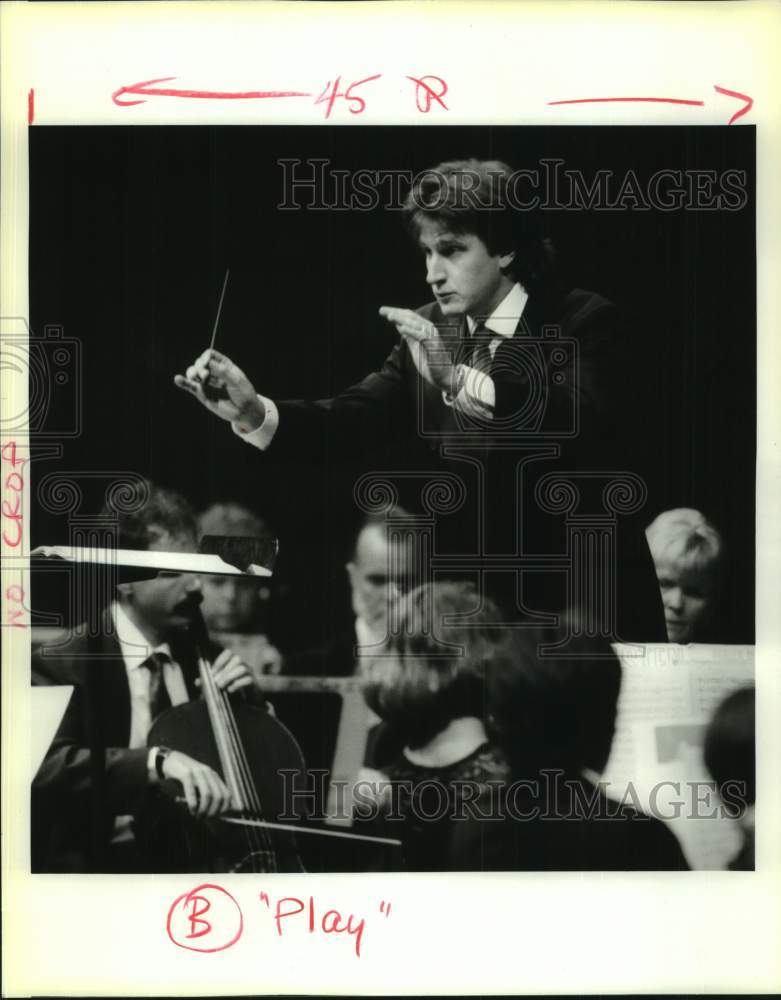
x=687, y=552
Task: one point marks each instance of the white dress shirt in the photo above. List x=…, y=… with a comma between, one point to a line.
x=477, y=394
x=135, y=651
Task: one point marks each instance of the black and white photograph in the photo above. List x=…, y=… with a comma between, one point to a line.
x=392, y=498
x=390, y=461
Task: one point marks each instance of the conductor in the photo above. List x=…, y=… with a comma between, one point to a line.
x=474, y=368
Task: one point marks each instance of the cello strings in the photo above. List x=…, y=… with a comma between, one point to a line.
x=218, y=729
x=250, y=798
x=255, y=839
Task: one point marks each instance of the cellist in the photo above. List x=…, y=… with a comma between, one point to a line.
x=148, y=663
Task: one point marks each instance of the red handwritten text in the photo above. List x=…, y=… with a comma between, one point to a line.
x=208, y=919
x=428, y=90
x=14, y=594
x=425, y=92
x=330, y=93
x=13, y=485
x=189, y=926
x=331, y=921
x=13, y=526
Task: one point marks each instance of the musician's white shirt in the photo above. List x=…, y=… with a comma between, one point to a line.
x=135, y=649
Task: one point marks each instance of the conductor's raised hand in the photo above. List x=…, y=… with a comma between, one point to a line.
x=433, y=359
x=235, y=398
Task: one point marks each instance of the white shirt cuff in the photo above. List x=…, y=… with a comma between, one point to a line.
x=477, y=395
x=150, y=764
x=261, y=437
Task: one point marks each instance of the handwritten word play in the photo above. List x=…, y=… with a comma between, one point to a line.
x=209, y=919
x=327, y=922
x=428, y=91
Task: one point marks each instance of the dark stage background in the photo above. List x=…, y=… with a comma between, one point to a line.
x=131, y=230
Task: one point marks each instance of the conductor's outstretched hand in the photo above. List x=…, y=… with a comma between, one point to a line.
x=229, y=393
x=433, y=358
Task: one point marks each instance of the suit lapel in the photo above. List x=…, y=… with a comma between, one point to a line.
x=114, y=689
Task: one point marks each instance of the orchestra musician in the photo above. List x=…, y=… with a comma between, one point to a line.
x=147, y=663
x=688, y=554
x=235, y=608
x=380, y=570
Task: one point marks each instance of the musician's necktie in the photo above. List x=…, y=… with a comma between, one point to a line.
x=159, y=699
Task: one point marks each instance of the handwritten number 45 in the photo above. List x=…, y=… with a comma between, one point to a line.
x=331, y=93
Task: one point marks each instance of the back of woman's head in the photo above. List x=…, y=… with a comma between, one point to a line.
x=432, y=669
x=553, y=705
x=729, y=751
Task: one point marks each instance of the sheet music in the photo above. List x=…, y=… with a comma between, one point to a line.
x=667, y=699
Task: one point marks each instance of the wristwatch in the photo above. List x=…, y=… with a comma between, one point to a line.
x=160, y=755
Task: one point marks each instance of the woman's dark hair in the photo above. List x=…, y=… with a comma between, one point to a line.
x=432, y=669
x=555, y=708
x=479, y=197
x=730, y=753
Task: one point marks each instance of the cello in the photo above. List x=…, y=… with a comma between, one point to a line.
x=255, y=755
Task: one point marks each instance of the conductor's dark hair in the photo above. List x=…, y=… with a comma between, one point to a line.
x=730, y=753
x=480, y=197
x=157, y=511
x=555, y=710
x=432, y=669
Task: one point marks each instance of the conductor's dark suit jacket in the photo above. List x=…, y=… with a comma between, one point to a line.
x=565, y=381
x=62, y=788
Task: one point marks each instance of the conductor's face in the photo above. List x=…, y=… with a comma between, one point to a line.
x=464, y=276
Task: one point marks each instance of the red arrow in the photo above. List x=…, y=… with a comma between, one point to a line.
x=602, y=100
x=749, y=102
x=145, y=87
x=741, y=97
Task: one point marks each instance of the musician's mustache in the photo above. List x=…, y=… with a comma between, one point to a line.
x=189, y=605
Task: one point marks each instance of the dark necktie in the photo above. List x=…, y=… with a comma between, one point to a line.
x=159, y=699
x=480, y=343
